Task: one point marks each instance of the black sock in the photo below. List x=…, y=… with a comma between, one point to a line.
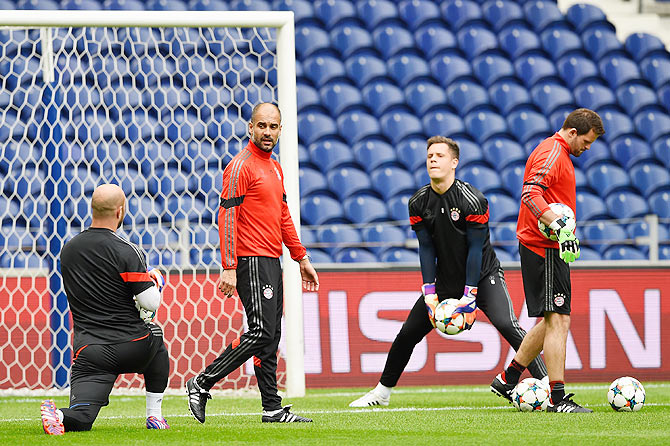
x=557, y=391
x=513, y=372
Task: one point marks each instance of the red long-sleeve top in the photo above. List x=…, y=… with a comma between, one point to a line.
x=549, y=178
x=254, y=218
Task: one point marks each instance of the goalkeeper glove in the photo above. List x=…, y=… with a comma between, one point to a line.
x=157, y=278
x=568, y=243
x=431, y=300
x=467, y=306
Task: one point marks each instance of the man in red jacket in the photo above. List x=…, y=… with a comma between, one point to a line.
x=254, y=221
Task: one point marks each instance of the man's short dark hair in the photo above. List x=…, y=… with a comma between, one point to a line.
x=583, y=120
x=453, y=146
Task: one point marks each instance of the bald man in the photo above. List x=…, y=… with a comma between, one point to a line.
x=107, y=282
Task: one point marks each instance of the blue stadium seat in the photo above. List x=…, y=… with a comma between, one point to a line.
x=601, y=235
x=310, y=39
x=337, y=97
x=664, y=252
x=321, y=69
x=550, y=96
x=481, y=125
x=461, y=12
x=424, y=95
x=433, y=38
x=594, y=95
x=649, y=178
x=526, y=124
x=302, y=9
x=470, y=152
x=313, y=126
x=508, y=95
x=90, y=5
x=392, y=39
x=349, y=39
x=624, y=252
x=399, y=124
x=400, y=255
x=517, y=40
x=397, y=207
x=616, y=123
x=337, y=236
x=575, y=69
x=474, y=40
x=365, y=209
x=502, y=207
x=664, y=97
x=652, y=124
x=347, y=181
x=383, y=237
x=662, y=150
x=37, y=4
x=377, y=12
x=355, y=126
x=502, y=13
x=641, y=45
x=483, y=178
x=417, y=12
x=391, y=180
x=318, y=256
x=641, y=229
x=590, y=207
x=659, y=203
x=586, y=253
x=328, y=154
x=491, y=68
x=532, y=69
x=656, y=69
x=447, y=68
x=505, y=256
x=364, y=68
x=583, y=16
x=412, y=153
x=617, y=70
x=407, y=67
x=626, y=205
x=581, y=182
x=512, y=179
x=597, y=154
x=559, y=42
x=630, y=149
x=500, y=152
x=599, y=42
x=332, y=13
x=372, y=153
x=308, y=97
x=442, y=122
x=542, y=15
x=321, y=209
x=465, y=96
x=382, y=95
x=311, y=181
x=607, y=178
x=504, y=235
x=168, y=5
x=354, y=255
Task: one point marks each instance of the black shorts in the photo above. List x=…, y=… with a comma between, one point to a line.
x=546, y=282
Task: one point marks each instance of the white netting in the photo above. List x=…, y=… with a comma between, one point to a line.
x=159, y=111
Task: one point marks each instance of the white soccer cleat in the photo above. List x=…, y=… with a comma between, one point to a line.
x=370, y=399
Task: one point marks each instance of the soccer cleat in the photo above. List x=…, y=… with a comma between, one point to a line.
x=370, y=399
x=197, y=399
x=501, y=388
x=285, y=416
x=157, y=423
x=50, y=422
x=566, y=405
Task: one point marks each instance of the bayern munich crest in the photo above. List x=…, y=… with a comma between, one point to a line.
x=268, y=292
x=455, y=214
x=559, y=300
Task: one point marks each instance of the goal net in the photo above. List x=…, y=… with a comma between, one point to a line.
x=157, y=102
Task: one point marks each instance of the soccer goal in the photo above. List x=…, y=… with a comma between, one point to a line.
x=157, y=102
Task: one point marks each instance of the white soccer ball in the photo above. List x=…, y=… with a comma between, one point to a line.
x=531, y=395
x=626, y=394
x=146, y=315
x=568, y=218
x=443, y=320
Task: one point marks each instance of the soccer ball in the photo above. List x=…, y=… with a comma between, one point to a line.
x=443, y=320
x=146, y=315
x=568, y=218
x=626, y=394
x=531, y=395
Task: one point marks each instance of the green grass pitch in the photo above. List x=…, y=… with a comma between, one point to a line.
x=416, y=416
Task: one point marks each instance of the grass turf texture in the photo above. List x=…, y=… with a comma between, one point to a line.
x=416, y=415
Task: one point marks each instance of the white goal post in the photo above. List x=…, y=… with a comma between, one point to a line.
x=285, y=88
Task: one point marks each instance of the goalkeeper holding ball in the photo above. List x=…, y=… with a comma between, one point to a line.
x=450, y=218
x=549, y=178
x=108, y=289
